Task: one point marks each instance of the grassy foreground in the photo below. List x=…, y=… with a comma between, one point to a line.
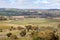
x=41, y=22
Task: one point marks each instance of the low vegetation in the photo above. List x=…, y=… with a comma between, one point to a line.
x=31, y=29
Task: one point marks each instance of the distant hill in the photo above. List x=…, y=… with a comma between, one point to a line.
x=53, y=9
x=24, y=12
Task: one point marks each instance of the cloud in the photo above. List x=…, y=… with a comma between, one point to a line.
x=26, y=4
x=41, y=2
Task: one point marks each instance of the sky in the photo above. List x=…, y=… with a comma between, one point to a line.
x=30, y=4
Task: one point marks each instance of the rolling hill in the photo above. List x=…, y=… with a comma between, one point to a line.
x=28, y=12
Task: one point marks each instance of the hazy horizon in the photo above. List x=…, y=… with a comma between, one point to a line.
x=30, y=4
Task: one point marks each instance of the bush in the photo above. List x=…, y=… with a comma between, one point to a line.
x=1, y=30
x=20, y=28
x=58, y=25
x=28, y=27
x=9, y=34
x=45, y=35
x=13, y=37
x=23, y=33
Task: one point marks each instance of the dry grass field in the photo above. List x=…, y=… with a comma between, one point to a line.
x=41, y=22
x=36, y=21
